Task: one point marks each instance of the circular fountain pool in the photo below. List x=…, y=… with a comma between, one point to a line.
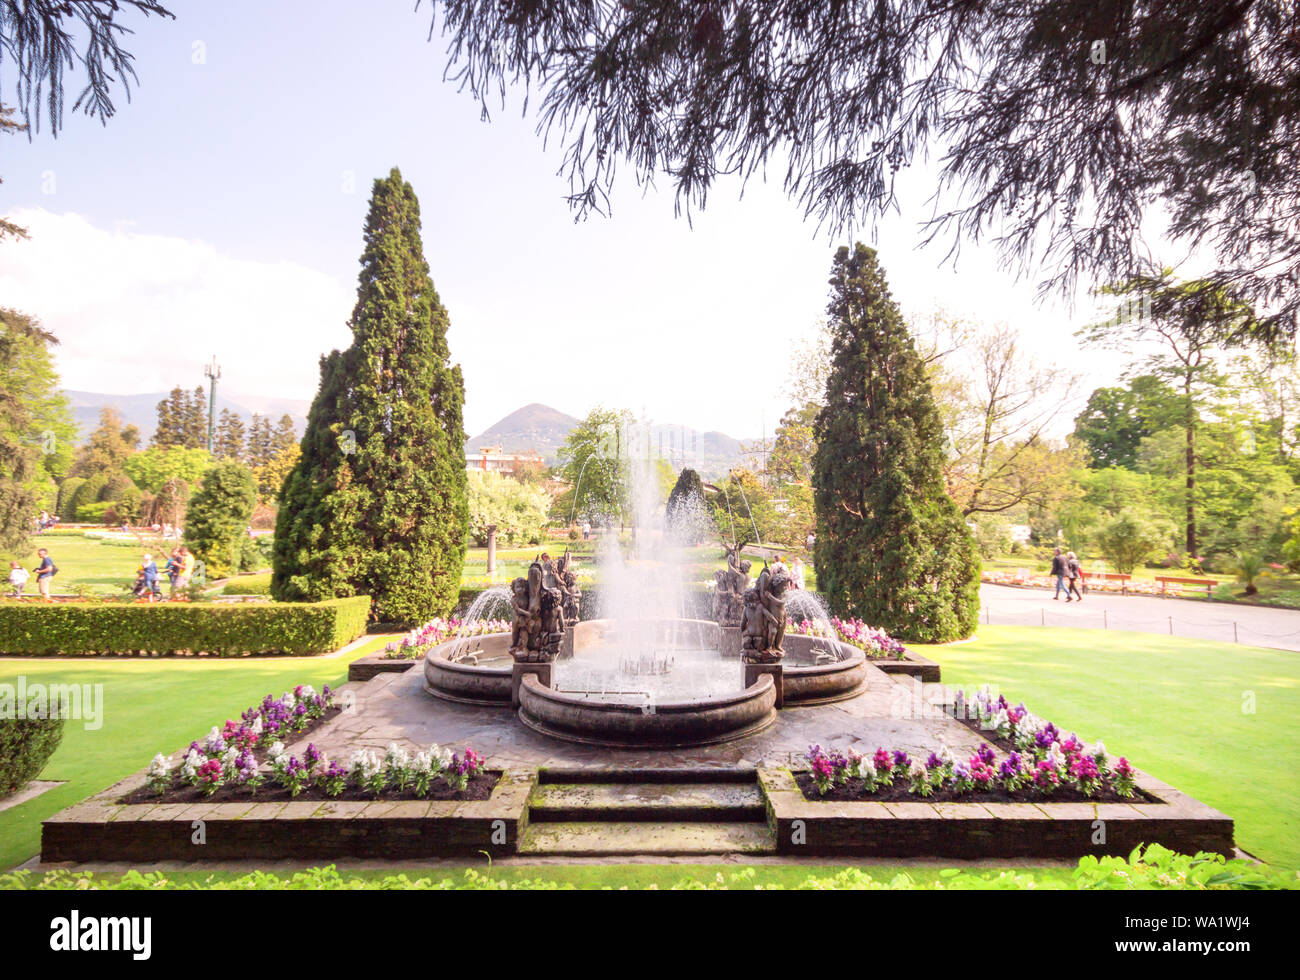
x=645, y=684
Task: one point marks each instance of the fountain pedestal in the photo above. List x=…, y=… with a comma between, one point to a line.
x=522, y=670
x=754, y=671
x=729, y=641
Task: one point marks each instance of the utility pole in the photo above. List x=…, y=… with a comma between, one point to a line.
x=212, y=372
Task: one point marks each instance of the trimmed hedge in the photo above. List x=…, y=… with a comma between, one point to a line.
x=300, y=628
x=26, y=744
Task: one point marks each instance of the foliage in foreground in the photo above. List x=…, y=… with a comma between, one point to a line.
x=1155, y=869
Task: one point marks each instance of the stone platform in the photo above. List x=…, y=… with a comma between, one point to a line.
x=566, y=798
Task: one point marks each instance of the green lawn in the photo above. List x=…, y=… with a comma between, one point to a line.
x=1174, y=707
x=106, y=568
x=149, y=706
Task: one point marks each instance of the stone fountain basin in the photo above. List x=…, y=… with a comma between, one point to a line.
x=632, y=722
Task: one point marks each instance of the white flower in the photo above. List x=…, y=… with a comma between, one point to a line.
x=159, y=766
x=1099, y=748
x=396, y=756
x=1000, y=720
x=307, y=692
x=364, y=762
x=1056, y=757
x=275, y=751
x=256, y=726
x=190, y=767
x=945, y=755
x=229, y=758
x=917, y=770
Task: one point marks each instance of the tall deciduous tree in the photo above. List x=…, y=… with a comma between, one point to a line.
x=108, y=447
x=892, y=546
x=1196, y=323
x=594, y=464
x=377, y=503
x=36, y=427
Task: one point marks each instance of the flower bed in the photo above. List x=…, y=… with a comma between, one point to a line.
x=876, y=643
x=228, y=763
x=1039, y=764
x=418, y=642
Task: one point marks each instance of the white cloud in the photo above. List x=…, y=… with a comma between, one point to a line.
x=139, y=312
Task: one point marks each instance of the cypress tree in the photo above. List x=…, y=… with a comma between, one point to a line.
x=892, y=547
x=377, y=502
x=686, y=512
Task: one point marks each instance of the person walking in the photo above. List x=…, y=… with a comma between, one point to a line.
x=149, y=569
x=1058, y=572
x=810, y=541
x=1074, y=572
x=796, y=573
x=186, y=570
x=172, y=569
x=17, y=579
x=45, y=572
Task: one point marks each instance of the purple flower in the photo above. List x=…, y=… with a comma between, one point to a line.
x=985, y=753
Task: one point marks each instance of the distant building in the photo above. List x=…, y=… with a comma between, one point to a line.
x=491, y=459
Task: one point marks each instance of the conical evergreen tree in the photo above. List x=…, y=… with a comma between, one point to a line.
x=377, y=503
x=892, y=547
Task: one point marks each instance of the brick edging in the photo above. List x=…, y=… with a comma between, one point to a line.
x=998, y=830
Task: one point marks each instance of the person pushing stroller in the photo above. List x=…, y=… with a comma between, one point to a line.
x=146, y=582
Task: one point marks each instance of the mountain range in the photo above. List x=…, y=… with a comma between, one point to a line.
x=544, y=430
x=535, y=427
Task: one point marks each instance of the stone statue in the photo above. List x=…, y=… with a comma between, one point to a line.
x=763, y=626
x=729, y=590
x=539, y=614
x=572, y=590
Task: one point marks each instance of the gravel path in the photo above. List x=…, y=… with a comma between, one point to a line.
x=1263, y=626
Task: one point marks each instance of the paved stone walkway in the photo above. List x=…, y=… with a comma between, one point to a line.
x=1264, y=626
x=396, y=708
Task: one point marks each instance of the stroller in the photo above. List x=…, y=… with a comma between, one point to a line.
x=142, y=589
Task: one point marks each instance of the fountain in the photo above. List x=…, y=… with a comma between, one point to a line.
x=644, y=675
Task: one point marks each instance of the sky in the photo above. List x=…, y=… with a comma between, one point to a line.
x=219, y=213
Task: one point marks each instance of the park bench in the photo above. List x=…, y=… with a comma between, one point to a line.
x=1119, y=577
x=1168, y=580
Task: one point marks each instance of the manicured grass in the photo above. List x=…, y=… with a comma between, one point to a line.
x=106, y=568
x=147, y=707
x=1178, y=708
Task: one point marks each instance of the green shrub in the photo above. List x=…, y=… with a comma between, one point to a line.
x=224, y=630
x=117, y=484
x=1130, y=538
x=26, y=744
x=250, y=556
x=248, y=585
x=87, y=493
x=94, y=513
x=67, y=490
x=216, y=521
x=127, y=506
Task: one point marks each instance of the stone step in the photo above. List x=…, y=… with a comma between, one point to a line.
x=581, y=839
x=645, y=774
x=655, y=802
